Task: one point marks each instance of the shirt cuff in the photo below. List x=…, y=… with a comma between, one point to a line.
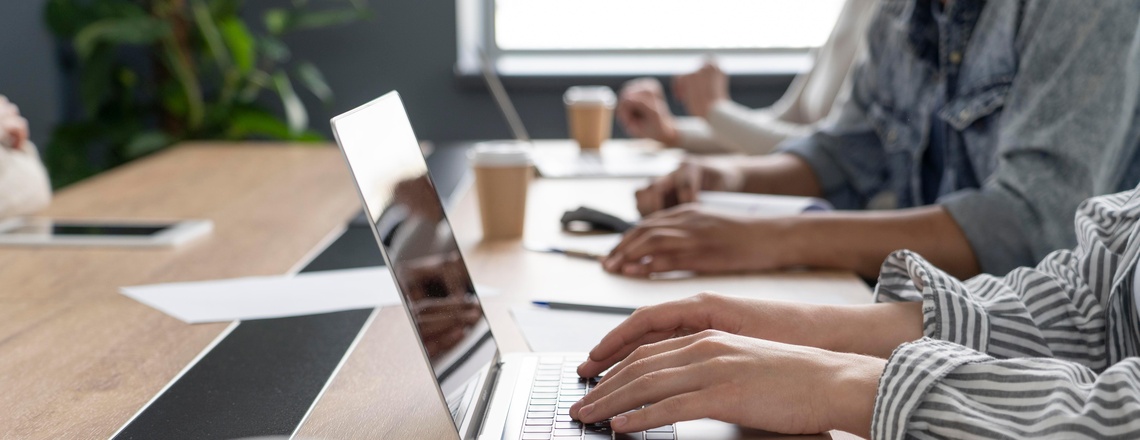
x=912, y=370
x=994, y=230
x=830, y=176
x=949, y=311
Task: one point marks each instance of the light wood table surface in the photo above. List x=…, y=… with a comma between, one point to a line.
x=78, y=359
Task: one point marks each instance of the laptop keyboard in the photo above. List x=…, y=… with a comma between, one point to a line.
x=556, y=387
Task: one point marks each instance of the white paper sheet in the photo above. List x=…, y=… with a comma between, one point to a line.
x=563, y=330
x=272, y=296
x=760, y=204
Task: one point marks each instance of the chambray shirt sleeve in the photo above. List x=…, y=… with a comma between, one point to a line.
x=1062, y=129
x=845, y=152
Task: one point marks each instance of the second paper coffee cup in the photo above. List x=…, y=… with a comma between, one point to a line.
x=503, y=172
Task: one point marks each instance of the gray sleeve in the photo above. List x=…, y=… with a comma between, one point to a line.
x=1062, y=125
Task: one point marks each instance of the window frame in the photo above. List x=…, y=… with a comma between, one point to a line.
x=475, y=28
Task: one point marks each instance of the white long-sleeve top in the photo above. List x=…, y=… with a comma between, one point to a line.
x=734, y=128
x=24, y=185
x=1047, y=351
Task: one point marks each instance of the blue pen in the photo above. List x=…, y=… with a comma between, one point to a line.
x=553, y=305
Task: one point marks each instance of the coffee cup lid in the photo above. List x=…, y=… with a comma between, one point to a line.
x=500, y=154
x=595, y=95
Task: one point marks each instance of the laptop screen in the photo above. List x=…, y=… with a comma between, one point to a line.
x=417, y=242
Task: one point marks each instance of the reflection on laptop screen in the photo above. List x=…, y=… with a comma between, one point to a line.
x=417, y=242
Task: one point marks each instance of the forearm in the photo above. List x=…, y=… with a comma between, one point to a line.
x=860, y=241
x=784, y=174
x=871, y=329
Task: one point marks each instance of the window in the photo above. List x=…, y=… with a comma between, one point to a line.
x=608, y=37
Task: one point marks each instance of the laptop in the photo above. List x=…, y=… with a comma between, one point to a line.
x=563, y=159
x=490, y=395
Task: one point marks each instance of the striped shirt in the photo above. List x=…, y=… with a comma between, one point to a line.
x=1048, y=351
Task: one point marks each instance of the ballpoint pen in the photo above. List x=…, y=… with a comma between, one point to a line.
x=554, y=305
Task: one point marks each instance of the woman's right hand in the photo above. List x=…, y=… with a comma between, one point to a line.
x=791, y=323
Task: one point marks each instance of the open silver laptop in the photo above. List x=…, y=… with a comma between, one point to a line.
x=563, y=159
x=490, y=395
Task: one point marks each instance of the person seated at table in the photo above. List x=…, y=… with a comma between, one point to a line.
x=719, y=125
x=1046, y=351
x=986, y=122
x=24, y=185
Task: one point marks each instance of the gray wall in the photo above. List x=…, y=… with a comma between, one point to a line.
x=409, y=46
x=28, y=72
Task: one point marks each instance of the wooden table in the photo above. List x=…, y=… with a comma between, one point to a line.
x=77, y=359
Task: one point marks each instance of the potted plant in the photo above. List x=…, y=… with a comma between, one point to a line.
x=150, y=73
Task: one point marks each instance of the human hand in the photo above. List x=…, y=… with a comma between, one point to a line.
x=682, y=185
x=691, y=238
x=13, y=127
x=701, y=90
x=736, y=379
x=644, y=113
x=780, y=321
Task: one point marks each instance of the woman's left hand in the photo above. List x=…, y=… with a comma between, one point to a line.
x=736, y=379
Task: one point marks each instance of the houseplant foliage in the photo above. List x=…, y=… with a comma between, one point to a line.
x=151, y=73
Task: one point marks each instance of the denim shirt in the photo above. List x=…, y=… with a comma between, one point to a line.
x=1034, y=95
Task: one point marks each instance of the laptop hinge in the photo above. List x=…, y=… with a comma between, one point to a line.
x=477, y=410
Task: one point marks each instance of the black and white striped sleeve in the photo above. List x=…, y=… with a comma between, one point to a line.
x=1043, y=351
x=938, y=389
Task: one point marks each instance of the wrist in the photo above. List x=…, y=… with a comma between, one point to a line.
x=853, y=387
x=670, y=135
x=708, y=108
x=795, y=242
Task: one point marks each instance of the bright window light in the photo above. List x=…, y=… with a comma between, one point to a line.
x=604, y=25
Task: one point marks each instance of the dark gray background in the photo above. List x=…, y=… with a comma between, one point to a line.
x=408, y=45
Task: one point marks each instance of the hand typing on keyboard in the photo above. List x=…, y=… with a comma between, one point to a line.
x=556, y=387
x=671, y=374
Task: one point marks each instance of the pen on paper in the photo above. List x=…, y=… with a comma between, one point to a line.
x=554, y=305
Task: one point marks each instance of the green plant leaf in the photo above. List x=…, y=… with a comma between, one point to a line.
x=240, y=42
x=225, y=8
x=275, y=49
x=210, y=33
x=129, y=30
x=295, y=113
x=280, y=21
x=95, y=79
x=188, y=79
x=146, y=142
x=277, y=21
x=313, y=80
x=248, y=122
